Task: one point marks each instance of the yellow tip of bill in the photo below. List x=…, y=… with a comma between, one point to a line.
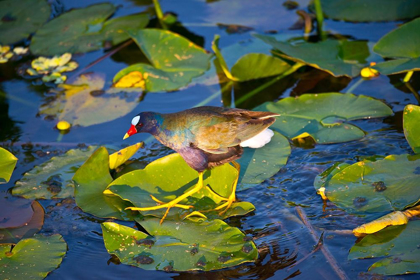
x=126, y=136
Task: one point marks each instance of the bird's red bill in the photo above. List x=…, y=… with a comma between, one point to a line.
x=130, y=132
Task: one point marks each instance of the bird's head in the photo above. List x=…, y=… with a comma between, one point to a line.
x=143, y=122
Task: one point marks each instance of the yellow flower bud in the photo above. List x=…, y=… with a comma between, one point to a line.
x=63, y=125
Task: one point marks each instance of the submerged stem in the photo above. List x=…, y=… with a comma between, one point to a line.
x=319, y=18
x=413, y=91
x=355, y=85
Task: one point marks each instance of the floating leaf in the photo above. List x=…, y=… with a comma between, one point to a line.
x=84, y=30
x=339, y=58
x=7, y=165
x=251, y=66
x=169, y=177
x=18, y=20
x=400, y=244
x=91, y=180
x=324, y=177
x=260, y=164
x=32, y=258
x=14, y=212
x=52, y=179
x=402, y=44
x=118, y=158
x=318, y=116
x=384, y=185
x=175, y=60
x=28, y=229
x=85, y=103
x=411, y=123
x=372, y=10
x=179, y=246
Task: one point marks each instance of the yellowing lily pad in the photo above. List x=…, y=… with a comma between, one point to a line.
x=85, y=102
x=401, y=44
x=179, y=246
x=84, y=30
x=7, y=165
x=318, y=115
x=120, y=157
x=398, y=244
x=32, y=258
x=339, y=58
x=175, y=61
x=411, y=124
x=384, y=185
x=18, y=19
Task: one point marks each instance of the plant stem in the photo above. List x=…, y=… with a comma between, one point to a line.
x=214, y=95
x=413, y=91
x=355, y=85
x=291, y=70
x=159, y=14
x=408, y=76
x=319, y=18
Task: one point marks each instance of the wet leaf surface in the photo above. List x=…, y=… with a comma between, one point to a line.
x=18, y=20
x=381, y=186
x=14, y=212
x=260, y=164
x=91, y=180
x=317, y=116
x=179, y=246
x=171, y=67
x=339, y=58
x=79, y=104
x=32, y=258
x=400, y=246
x=373, y=10
x=411, y=124
x=83, y=30
x=7, y=165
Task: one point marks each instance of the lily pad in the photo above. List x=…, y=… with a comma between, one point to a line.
x=84, y=30
x=260, y=164
x=373, y=10
x=400, y=246
x=384, y=185
x=118, y=158
x=28, y=229
x=85, y=102
x=91, y=179
x=251, y=66
x=402, y=44
x=179, y=246
x=175, y=60
x=18, y=20
x=337, y=57
x=32, y=258
x=14, y=212
x=169, y=177
x=52, y=179
x=411, y=124
x=7, y=165
x=318, y=116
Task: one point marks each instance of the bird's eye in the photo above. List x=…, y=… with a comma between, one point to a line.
x=135, y=120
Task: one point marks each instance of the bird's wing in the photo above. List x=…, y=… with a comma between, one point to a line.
x=218, y=137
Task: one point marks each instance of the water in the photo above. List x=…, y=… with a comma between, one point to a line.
x=281, y=237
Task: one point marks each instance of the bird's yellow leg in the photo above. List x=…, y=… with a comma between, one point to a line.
x=174, y=202
x=232, y=196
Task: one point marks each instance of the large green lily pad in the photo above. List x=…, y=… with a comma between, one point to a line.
x=179, y=246
x=32, y=258
x=411, y=124
x=318, y=116
x=400, y=246
x=250, y=66
x=52, y=179
x=372, y=10
x=339, y=58
x=18, y=20
x=260, y=164
x=84, y=30
x=384, y=185
x=402, y=44
x=7, y=165
x=85, y=102
x=169, y=177
x=91, y=179
x=175, y=60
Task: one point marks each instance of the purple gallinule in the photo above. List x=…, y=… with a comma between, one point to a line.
x=205, y=137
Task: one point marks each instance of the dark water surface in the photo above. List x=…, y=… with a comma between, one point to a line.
x=278, y=232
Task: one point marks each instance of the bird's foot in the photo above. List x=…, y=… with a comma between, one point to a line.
x=232, y=196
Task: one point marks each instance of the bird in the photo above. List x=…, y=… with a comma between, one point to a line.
x=205, y=137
